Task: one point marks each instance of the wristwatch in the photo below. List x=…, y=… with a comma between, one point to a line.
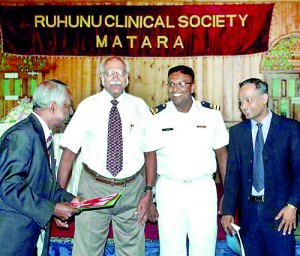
x=150, y=188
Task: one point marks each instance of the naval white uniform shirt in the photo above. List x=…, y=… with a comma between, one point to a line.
x=189, y=140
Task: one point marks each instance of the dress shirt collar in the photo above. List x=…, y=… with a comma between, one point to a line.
x=45, y=127
x=192, y=107
x=109, y=98
x=265, y=122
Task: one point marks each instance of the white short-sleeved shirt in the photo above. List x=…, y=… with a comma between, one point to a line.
x=189, y=140
x=89, y=126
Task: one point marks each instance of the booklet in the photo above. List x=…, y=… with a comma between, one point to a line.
x=234, y=242
x=96, y=203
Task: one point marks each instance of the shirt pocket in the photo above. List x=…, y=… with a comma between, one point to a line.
x=133, y=135
x=202, y=137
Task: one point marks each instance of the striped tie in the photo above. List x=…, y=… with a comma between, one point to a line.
x=48, y=143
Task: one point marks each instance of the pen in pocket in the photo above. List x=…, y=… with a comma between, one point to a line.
x=131, y=126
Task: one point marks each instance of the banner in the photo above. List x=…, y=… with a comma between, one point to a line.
x=156, y=31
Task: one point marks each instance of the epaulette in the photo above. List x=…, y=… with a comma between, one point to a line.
x=157, y=109
x=208, y=105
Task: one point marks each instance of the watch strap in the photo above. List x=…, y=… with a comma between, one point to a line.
x=149, y=188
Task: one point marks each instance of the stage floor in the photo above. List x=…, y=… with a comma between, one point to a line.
x=63, y=247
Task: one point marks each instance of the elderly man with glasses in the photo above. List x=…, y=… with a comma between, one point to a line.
x=110, y=128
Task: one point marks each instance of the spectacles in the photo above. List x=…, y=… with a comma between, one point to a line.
x=111, y=72
x=181, y=84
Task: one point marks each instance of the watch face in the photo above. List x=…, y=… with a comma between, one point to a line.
x=148, y=188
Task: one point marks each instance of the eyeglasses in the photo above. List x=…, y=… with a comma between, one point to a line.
x=181, y=84
x=111, y=72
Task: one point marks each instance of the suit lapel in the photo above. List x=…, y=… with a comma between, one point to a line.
x=246, y=138
x=272, y=134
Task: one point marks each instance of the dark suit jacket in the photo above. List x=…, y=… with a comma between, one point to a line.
x=28, y=188
x=282, y=168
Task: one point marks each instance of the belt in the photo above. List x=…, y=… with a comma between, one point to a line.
x=114, y=182
x=202, y=177
x=258, y=199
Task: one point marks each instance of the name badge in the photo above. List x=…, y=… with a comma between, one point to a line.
x=167, y=129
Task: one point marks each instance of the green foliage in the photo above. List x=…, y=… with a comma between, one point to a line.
x=3, y=64
x=31, y=63
x=23, y=63
x=278, y=56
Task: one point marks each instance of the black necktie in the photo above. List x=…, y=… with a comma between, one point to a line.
x=258, y=163
x=114, y=163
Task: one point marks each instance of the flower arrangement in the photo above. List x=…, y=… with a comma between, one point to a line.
x=18, y=113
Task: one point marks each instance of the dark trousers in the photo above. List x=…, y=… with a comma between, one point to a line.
x=260, y=235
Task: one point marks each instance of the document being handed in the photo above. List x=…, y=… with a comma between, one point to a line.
x=100, y=202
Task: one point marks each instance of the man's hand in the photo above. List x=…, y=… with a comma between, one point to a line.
x=64, y=211
x=153, y=213
x=77, y=200
x=143, y=207
x=60, y=223
x=226, y=223
x=64, y=223
x=288, y=222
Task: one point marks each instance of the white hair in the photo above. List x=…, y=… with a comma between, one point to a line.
x=49, y=91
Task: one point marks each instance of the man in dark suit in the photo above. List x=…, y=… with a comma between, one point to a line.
x=266, y=206
x=29, y=193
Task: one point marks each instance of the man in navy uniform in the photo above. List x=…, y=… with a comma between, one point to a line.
x=193, y=137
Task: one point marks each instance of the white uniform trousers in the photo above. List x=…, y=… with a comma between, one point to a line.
x=187, y=209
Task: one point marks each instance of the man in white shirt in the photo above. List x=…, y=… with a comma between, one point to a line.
x=89, y=131
x=193, y=137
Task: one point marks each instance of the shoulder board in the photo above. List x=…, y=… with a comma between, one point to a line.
x=157, y=109
x=208, y=105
